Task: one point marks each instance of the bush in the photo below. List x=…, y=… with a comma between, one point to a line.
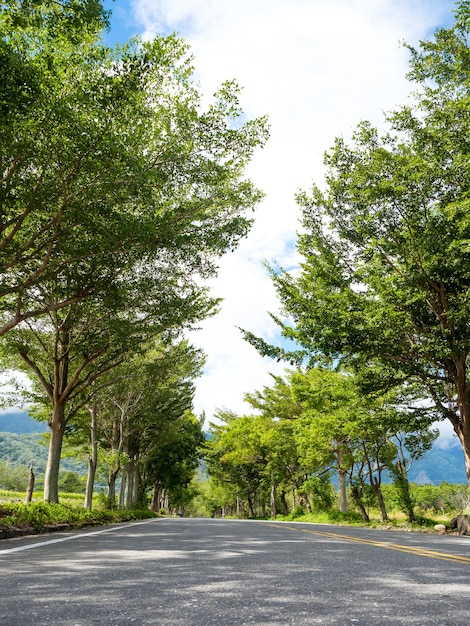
x=443, y=499
x=39, y=515
x=13, y=478
x=72, y=482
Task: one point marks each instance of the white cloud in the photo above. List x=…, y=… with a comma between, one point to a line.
x=316, y=67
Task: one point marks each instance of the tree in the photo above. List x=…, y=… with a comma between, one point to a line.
x=330, y=403
x=237, y=453
x=119, y=194
x=302, y=445
x=107, y=161
x=384, y=279
x=171, y=464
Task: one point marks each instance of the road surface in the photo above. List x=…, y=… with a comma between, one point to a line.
x=195, y=572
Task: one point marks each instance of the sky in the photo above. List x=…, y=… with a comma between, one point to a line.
x=316, y=68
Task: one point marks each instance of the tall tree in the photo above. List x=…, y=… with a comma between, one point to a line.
x=118, y=192
x=386, y=258
x=107, y=159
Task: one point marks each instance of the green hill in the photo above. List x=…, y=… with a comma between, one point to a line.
x=14, y=421
x=23, y=449
x=22, y=442
x=440, y=465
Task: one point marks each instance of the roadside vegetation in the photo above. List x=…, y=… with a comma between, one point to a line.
x=19, y=518
x=433, y=504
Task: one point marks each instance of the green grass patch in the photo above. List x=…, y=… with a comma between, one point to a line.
x=41, y=516
x=396, y=520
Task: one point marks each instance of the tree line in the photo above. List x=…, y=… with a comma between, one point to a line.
x=308, y=427
x=382, y=290
x=119, y=193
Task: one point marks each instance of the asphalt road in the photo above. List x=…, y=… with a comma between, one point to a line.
x=192, y=572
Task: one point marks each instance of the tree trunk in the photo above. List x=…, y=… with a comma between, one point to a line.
x=136, y=482
x=304, y=501
x=263, y=509
x=273, y=496
x=357, y=499
x=342, y=493
x=380, y=498
x=155, y=504
x=130, y=483
x=285, y=506
x=30, y=486
x=462, y=430
x=92, y=461
x=51, y=477
x=112, y=477
x=251, y=507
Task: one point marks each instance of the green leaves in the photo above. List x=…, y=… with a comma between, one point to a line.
x=109, y=162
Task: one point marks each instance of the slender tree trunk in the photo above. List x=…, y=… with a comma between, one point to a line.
x=92, y=461
x=342, y=487
x=285, y=506
x=273, y=496
x=304, y=500
x=30, y=485
x=130, y=483
x=251, y=506
x=136, y=482
x=155, y=503
x=51, y=477
x=462, y=430
x=112, y=478
x=380, y=499
x=122, y=490
x=358, y=500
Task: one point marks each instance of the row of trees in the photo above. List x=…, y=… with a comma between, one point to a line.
x=118, y=195
x=383, y=286
x=309, y=425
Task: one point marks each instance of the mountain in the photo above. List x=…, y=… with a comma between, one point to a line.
x=23, y=449
x=440, y=464
x=19, y=422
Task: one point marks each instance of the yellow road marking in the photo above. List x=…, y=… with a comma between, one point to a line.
x=443, y=556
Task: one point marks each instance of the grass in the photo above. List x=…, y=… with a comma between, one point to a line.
x=397, y=520
x=42, y=516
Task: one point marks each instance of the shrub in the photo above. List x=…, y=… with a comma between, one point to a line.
x=38, y=515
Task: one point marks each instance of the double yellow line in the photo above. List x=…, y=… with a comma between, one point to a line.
x=432, y=554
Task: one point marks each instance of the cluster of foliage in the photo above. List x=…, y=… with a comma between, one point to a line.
x=13, y=477
x=443, y=499
x=119, y=193
x=310, y=425
x=41, y=515
x=383, y=282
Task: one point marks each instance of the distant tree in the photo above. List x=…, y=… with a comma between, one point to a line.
x=171, y=464
x=71, y=482
x=13, y=478
x=237, y=453
x=278, y=406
